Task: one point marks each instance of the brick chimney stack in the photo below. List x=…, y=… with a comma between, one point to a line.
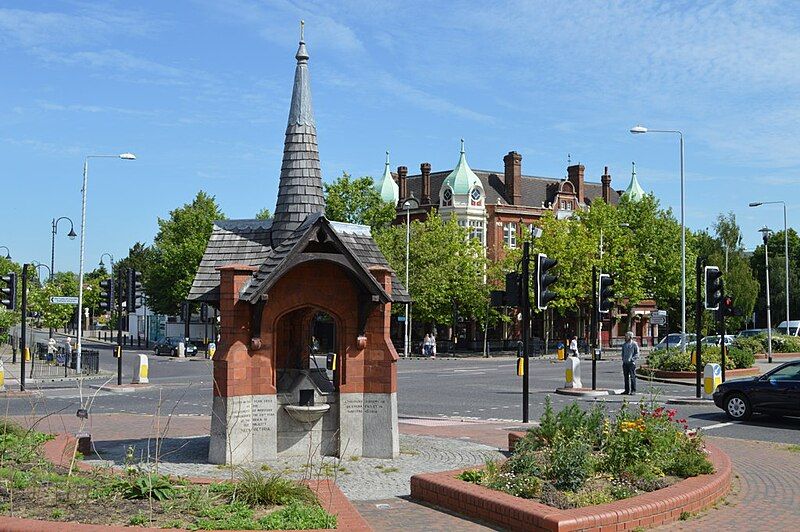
x=605, y=179
x=513, y=177
x=575, y=176
x=425, y=170
x=402, y=172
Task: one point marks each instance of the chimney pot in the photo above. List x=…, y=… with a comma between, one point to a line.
x=512, y=177
x=575, y=176
x=605, y=179
x=402, y=172
x=425, y=170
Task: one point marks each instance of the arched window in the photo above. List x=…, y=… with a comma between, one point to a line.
x=476, y=197
x=447, y=197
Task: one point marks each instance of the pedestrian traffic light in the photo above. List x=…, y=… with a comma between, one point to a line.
x=107, y=294
x=726, y=307
x=8, y=293
x=605, y=293
x=513, y=296
x=134, y=290
x=714, y=286
x=544, y=279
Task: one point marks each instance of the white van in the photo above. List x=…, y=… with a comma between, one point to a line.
x=794, y=326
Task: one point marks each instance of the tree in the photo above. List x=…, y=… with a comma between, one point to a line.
x=177, y=250
x=263, y=214
x=777, y=283
x=52, y=315
x=446, y=268
x=356, y=201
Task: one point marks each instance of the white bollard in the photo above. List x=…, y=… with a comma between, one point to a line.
x=712, y=377
x=181, y=349
x=142, y=372
x=573, y=373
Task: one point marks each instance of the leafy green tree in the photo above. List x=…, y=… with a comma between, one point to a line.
x=356, y=201
x=263, y=214
x=446, y=267
x=777, y=276
x=177, y=250
x=52, y=315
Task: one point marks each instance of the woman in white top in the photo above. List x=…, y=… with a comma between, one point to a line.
x=573, y=347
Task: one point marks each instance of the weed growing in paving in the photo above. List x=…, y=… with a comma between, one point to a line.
x=574, y=458
x=34, y=488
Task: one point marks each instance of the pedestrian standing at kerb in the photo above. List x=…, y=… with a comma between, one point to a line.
x=573, y=347
x=630, y=355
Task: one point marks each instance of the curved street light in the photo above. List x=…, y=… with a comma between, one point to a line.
x=8, y=252
x=127, y=156
x=638, y=130
x=71, y=236
x=765, y=234
x=785, y=251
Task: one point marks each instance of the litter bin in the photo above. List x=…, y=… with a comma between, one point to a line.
x=560, y=350
x=91, y=361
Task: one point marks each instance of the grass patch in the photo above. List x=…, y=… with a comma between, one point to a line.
x=793, y=448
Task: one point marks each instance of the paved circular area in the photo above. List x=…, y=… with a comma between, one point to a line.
x=361, y=479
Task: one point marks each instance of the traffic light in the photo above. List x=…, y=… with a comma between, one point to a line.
x=714, y=286
x=513, y=296
x=605, y=293
x=107, y=294
x=544, y=279
x=8, y=293
x=203, y=312
x=134, y=290
x=726, y=307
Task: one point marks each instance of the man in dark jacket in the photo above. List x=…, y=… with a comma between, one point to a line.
x=630, y=354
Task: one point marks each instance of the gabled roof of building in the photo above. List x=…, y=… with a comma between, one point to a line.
x=386, y=185
x=354, y=242
x=462, y=178
x=536, y=190
x=231, y=241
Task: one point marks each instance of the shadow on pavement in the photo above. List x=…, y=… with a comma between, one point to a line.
x=170, y=450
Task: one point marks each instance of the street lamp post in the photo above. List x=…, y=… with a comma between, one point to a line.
x=637, y=130
x=407, y=207
x=112, y=287
x=765, y=231
x=71, y=236
x=785, y=251
x=124, y=156
x=8, y=252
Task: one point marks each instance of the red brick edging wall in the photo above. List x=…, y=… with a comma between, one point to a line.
x=663, y=374
x=60, y=450
x=513, y=513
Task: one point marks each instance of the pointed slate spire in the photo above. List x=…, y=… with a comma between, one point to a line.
x=635, y=192
x=386, y=185
x=300, y=187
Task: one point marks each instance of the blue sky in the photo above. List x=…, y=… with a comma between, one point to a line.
x=199, y=91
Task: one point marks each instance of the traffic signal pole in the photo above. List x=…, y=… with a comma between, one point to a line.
x=23, y=341
x=723, y=347
x=119, y=332
x=526, y=319
x=593, y=327
x=698, y=365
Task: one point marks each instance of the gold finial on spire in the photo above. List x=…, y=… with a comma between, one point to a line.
x=302, y=24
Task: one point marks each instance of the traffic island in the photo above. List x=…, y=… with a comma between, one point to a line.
x=588, y=392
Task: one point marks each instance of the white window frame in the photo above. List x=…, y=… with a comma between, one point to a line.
x=510, y=234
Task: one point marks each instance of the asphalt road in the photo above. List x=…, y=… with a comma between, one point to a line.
x=463, y=388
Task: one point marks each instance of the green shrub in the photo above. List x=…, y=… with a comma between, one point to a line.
x=688, y=459
x=569, y=462
x=751, y=344
x=739, y=356
x=256, y=489
x=474, y=476
x=782, y=343
x=742, y=358
x=144, y=486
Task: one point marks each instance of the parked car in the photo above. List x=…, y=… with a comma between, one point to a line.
x=714, y=339
x=775, y=392
x=169, y=346
x=794, y=327
x=674, y=340
x=747, y=333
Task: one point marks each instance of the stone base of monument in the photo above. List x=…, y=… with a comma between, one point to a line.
x=588, y=392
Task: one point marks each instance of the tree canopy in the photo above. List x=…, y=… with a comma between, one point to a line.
x=356, y=201
x=177, y=250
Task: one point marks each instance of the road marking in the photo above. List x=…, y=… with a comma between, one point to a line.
x=717, y=426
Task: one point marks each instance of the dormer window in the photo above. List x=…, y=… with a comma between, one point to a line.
x=447, y=198
x=476, y=198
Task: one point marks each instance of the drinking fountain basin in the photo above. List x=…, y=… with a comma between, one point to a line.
x=306, y=414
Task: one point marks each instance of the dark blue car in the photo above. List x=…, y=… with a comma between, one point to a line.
x=776, y=392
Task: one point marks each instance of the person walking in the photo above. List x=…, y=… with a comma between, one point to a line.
x=433, y=346
x=573, y=347
x=630, y=354
x=426, y=345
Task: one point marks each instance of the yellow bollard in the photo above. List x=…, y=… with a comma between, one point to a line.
x=520, y=367
x=212, y=348
x=27, y=355
x=2, y=377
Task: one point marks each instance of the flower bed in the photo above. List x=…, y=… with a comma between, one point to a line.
x=574, y=459
x=582, y=470
x=44, y=488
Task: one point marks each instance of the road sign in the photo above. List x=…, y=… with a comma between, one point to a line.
x=64, y=300
x=401, y=318
x=658, y=317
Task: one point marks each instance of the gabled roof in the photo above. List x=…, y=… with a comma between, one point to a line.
x=356, y=252
x=231, y=241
